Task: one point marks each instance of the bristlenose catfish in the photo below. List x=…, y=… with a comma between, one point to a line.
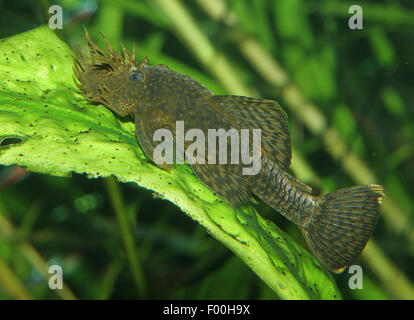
x=336, y=226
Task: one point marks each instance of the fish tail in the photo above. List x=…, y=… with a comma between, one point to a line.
x=342, y=224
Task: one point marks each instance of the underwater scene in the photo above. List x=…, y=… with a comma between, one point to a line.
x=206, y=149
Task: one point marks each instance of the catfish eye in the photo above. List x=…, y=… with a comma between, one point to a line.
x=135, y=76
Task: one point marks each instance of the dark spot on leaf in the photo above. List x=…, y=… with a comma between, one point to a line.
x=10, y=140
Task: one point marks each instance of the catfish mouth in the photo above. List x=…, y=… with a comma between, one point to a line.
x=103, y=63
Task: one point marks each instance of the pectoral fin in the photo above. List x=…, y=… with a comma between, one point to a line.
x=146, y=123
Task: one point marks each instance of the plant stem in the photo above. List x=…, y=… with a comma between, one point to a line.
x=126, y=234
x=29, y=252
x=11, y=283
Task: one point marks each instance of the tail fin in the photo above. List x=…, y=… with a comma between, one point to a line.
x=341, y=227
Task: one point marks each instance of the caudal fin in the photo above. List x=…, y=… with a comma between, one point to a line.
x=341, y=227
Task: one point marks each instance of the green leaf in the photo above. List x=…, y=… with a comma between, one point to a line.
x=46, y=126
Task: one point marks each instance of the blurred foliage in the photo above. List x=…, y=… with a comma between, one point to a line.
x=350, y=102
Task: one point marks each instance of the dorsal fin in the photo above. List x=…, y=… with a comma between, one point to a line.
x=267, y=115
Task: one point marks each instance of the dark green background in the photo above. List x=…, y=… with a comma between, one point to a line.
x=360, y=81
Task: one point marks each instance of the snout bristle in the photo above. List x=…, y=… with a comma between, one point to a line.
x=101, y=63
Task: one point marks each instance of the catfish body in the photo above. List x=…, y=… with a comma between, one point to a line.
x=336, y=226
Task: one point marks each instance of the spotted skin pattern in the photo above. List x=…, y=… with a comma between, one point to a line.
x=336, y=226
